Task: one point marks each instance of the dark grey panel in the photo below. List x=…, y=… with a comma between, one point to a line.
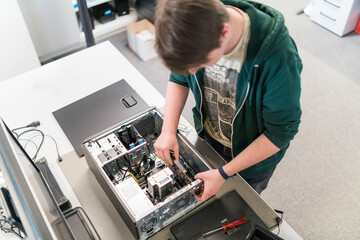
x=98, y=111
x=230, y=207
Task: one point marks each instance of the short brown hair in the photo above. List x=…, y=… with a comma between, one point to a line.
x=187, y=30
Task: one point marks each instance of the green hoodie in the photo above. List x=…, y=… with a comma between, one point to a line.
x=268, y=87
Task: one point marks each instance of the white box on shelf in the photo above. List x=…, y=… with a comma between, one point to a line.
x=338, y=16
x=141, y=37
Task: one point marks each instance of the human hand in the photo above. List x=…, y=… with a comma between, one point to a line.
x=212, y=183
x=165, y=143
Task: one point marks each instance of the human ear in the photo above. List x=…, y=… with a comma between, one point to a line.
x=224, y=31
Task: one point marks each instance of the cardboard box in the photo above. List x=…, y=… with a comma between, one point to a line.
x=141, y=37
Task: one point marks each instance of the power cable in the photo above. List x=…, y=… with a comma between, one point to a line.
x=41, y=143
x=33, y=125
x=46, y=135
x=278, y=220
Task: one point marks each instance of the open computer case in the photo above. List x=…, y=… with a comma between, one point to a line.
x=148, y=193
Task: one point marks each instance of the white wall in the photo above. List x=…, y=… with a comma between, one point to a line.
x=17, y=52
x=52, y=25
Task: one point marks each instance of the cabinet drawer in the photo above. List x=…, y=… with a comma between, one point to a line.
x=327, y=17
x=331, y=7
x=333, y=4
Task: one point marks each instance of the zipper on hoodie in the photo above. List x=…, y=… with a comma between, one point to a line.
x=256, y=66
x=237, y=112
x=201, y=102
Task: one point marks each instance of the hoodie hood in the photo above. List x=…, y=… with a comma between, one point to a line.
x=267, y=27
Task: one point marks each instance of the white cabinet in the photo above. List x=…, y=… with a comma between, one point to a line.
x=54, y=27
x=338, y=16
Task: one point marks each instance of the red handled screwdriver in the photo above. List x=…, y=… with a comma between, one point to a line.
x=229, y=225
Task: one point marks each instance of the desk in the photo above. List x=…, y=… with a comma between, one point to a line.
x=36, y=94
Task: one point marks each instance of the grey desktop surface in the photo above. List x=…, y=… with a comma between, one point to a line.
x=225, y=209
x=96, y=112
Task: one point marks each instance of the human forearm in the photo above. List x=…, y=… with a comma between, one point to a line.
x=176, y=96
x=175, y=100
x=257, y=151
